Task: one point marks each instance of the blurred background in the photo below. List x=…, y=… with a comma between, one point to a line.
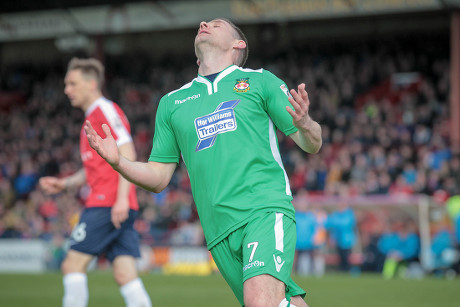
x=383, y=77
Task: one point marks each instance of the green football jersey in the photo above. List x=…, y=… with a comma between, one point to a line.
x=225, y=132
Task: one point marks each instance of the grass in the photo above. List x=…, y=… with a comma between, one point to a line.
x=23, y=290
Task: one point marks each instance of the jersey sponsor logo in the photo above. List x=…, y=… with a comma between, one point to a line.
x=181, y=101
x=285, y=90
x=242, y=85
x=256, y=263
x=220, y=121
x=278, y=263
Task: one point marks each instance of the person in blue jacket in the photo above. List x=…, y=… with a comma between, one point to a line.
x=387, y=242
x=405, y=249
x=306, y=228
x=342, y=229
x=442, y=252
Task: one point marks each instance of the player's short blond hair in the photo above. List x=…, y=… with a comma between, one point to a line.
x=243, y=56
x=90, y=68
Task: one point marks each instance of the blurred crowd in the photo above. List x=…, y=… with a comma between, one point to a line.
x=382, y=104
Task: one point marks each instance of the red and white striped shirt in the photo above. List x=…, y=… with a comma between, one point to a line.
x=100, y=177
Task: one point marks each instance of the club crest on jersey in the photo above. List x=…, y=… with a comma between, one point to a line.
x=220, y=121
x=242, y=85
x=285, y=90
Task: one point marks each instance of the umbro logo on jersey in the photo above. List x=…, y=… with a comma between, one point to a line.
x=242, y=85
x=278, y=263
x=193, y=97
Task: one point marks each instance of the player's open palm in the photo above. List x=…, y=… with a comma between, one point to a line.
x=107, y=147
x=301, y=105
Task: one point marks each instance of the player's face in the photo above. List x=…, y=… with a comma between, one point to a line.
x=77, y=88
x=217, y=33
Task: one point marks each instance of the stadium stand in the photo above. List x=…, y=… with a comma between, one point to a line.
x=382, y=103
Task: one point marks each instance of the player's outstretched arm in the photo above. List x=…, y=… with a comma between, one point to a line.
x=309, y=135
x=152, y=176
x=53, y=185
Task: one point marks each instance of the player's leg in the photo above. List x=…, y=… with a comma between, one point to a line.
x=268, y=253
x=227, y=255
x=75, y=264
x=74, y=280
x=124, y=269
x=93, y=233
x=298, y=301
x=122, y=253
x=131, y=287
x=263, y=290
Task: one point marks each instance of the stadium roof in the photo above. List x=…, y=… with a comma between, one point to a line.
x=34, y=5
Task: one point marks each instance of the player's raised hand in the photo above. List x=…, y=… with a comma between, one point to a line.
x=107, y=148
x=51, y=185
x=301, y=104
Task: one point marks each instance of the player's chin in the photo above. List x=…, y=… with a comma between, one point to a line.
x=74, y=103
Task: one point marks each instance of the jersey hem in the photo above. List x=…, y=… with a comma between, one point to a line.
x=254, y=215
x=164, y=159
x=291, y=131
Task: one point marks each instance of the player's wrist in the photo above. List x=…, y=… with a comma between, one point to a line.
x=117, y=164
x=307, y=124
x=66, y=183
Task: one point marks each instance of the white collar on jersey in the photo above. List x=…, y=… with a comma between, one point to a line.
x=212, y=86
x=95, y=104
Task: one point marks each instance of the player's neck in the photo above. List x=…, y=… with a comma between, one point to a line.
x=91, y=99
x=212, y=64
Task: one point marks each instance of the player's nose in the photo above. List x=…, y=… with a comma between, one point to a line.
x=204, y=25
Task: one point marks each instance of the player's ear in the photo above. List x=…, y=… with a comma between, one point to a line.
x=198, y=62
x=241, y=44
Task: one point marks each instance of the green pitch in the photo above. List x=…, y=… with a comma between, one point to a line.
x=22, y=290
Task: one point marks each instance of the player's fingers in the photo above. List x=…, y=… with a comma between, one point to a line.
x=47, y=182
x=294, y=103
x=299, y=99
x=303, y=92
x=115, y=221
x=43, y=181
x=106, y=130
x=293, y=113
x=89, y=128
x=296, y=96
x=303, y=97
x=91, y=134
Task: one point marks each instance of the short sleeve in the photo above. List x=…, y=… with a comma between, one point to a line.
x=164, y=148
x=276, y=95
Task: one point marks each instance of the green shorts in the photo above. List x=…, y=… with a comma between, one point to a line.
x=265, y=245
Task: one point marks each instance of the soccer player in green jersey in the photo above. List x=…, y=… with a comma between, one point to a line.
x=223, y=125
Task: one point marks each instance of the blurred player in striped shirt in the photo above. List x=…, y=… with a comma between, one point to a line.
x=106, y=224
